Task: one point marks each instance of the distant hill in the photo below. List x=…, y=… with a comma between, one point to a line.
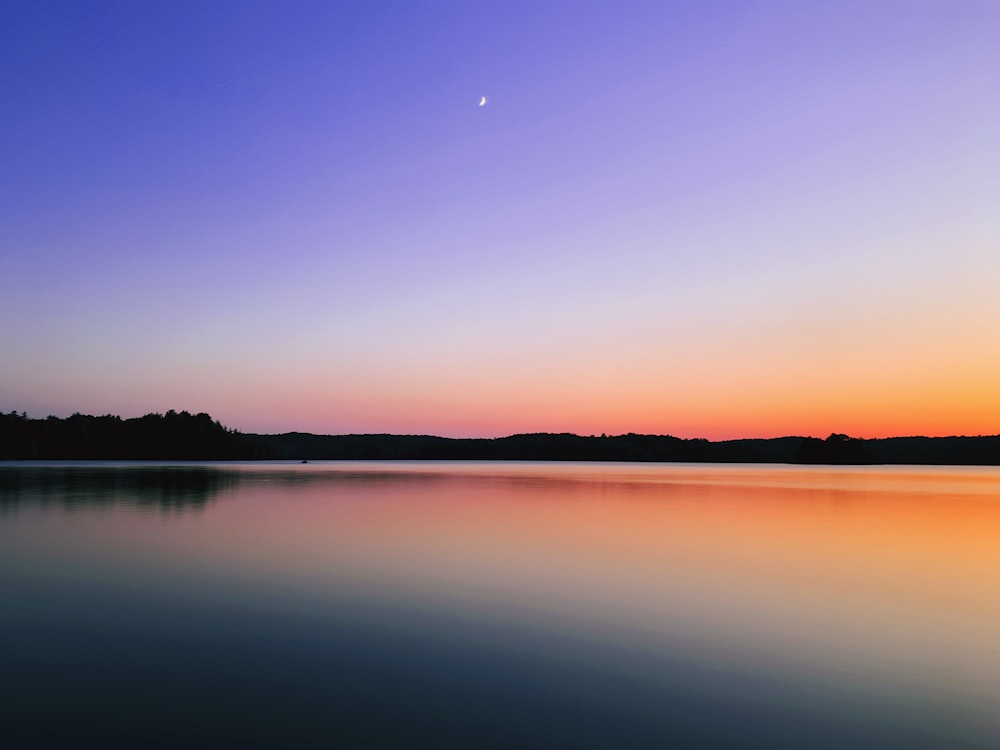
x=836, y=449
x=185, y=436
x=542, y=446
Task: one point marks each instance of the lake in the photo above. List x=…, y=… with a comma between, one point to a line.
x=406, y=604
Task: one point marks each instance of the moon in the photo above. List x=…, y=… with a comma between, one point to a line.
x=482, y=102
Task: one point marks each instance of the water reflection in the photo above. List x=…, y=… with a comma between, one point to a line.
x=492, y=605
x=167, y=489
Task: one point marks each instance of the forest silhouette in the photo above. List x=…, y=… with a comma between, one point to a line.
x=182, y=436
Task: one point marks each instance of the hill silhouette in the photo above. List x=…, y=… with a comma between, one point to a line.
x=197, y=437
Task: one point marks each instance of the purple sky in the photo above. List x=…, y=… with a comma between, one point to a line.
x=700, y=218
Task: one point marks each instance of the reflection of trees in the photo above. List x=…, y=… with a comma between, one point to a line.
x=166, y=489
x=161, y=488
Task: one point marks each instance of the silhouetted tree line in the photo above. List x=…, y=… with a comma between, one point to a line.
x=185, y=436
x=836, y=449
x=170, y=436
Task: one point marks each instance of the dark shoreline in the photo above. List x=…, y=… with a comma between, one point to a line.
x=185, y=436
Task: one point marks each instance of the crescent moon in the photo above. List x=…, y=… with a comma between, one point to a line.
x=482, y=102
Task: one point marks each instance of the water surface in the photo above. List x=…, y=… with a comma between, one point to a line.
x=499, y=605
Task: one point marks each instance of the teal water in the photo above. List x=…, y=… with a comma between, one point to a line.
x=498, y=605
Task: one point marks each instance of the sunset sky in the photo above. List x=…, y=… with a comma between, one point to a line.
x=706, y=219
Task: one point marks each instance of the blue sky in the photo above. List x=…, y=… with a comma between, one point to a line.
x=694, y=218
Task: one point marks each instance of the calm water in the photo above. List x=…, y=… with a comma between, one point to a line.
x=499, y=605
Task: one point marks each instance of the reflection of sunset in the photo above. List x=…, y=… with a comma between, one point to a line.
x=881, y=583
x=892, y=571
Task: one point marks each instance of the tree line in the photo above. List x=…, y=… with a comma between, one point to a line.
x=170, y=436
x=185, y=436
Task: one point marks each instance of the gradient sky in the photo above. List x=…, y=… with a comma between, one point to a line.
x=714, y=219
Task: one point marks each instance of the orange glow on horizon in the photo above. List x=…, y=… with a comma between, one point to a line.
x=890, y=388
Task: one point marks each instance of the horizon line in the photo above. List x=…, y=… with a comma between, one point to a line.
x=603, y=435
